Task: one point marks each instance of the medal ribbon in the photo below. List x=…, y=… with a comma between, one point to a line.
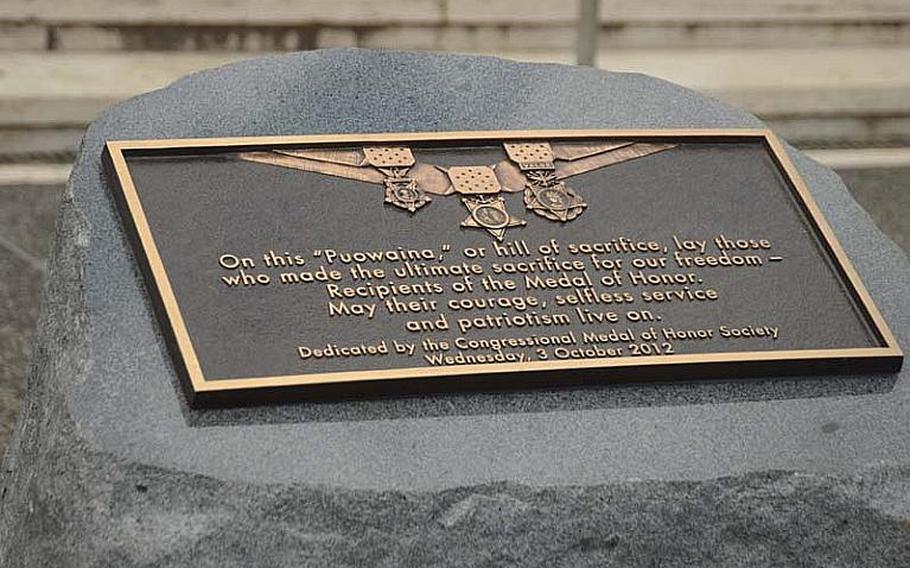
x=394, y=162
x=544, y=193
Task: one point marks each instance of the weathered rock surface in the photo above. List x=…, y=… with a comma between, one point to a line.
x=108, y=467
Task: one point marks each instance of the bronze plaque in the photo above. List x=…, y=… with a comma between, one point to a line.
x=360, y=264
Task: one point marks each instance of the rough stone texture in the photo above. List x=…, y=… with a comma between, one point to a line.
x=26, y=222
x=108, y=466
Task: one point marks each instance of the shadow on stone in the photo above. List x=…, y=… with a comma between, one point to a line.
x=653, y=394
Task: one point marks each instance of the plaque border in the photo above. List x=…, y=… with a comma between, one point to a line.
x=886, y=358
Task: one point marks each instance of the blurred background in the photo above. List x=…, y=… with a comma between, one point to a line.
x=830, y=76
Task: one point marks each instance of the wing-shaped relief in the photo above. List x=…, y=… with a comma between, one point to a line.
x=538, y=169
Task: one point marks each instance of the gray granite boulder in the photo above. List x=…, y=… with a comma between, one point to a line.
x=109, y=467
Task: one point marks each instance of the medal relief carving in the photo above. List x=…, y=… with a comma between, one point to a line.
x=538, y=170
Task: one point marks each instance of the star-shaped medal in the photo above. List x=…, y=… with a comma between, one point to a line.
x=557, y=202
x=489, y=213
x=404, y=192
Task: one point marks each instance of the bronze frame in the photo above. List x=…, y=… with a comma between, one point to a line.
x=887, y=358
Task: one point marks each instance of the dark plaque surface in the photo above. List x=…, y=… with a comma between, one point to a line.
x=344, y=265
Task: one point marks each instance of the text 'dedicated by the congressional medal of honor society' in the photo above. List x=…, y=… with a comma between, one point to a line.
x=404, y=263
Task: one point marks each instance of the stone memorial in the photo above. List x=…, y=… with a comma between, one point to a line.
x=358, y=308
